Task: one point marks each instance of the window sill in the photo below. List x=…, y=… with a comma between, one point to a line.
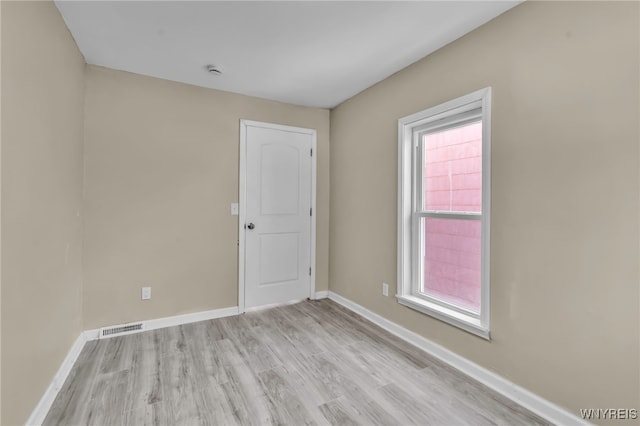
x=469, y=324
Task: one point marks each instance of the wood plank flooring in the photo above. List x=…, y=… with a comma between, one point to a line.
x=311, y=363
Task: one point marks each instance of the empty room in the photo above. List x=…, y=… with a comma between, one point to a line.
x=319, y=212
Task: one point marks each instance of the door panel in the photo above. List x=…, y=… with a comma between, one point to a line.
x=280, y=171
x=278, y=202
x=279, y=258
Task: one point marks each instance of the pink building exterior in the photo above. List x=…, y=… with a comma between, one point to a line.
x=453, y=182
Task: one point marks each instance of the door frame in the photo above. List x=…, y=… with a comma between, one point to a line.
x=242, y=194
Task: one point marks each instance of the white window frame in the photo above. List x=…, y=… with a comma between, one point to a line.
x=410, y=129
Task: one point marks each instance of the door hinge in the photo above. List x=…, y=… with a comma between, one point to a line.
x=309, y=271
x=311, y=152
x=311, y=211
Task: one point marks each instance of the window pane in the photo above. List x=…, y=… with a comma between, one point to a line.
x=451, y=254
x=453, y=169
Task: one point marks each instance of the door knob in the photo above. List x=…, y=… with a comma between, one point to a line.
x=251, y=226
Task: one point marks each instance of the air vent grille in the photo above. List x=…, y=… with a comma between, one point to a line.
x=124, y=329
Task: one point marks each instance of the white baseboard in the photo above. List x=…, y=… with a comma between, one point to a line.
x=520, y=395
x=41, y=410
x=322, y=294
x=155, y=324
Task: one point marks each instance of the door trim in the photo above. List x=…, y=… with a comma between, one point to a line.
x=242, y=195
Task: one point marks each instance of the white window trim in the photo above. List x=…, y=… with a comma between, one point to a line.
x=476, y=324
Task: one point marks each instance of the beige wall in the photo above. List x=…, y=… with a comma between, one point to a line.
x=42, y=110
x=161, y=170
x=564, y=252
x=0, y=215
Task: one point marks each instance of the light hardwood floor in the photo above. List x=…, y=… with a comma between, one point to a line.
x=313, y=362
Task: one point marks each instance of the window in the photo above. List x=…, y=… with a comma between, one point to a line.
x=443, y=211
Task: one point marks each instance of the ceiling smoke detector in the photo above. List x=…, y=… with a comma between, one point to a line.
x=212, y=69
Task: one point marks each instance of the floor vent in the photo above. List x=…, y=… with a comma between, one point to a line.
x=120, y=330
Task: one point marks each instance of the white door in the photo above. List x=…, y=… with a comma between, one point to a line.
x=276, y=220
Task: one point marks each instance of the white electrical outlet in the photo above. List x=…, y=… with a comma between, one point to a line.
x=385, y=289
x=146, y=293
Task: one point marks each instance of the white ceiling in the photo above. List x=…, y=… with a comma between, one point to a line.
x=314, y=53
